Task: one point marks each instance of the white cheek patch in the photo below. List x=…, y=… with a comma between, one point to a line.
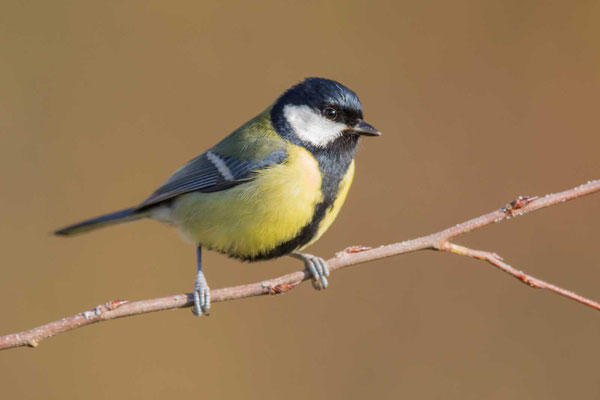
x=311, y=126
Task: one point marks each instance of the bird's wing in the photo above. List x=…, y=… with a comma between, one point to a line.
x=212, y=172
x=233, y=161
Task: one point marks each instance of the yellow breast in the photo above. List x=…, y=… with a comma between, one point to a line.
x=252, y=218
x=333, y=211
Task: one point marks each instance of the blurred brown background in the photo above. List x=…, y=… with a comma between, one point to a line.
x=478, y=101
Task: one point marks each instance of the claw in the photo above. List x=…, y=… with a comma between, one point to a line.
x=317, y=267
x=201, y=300
x=201, y=290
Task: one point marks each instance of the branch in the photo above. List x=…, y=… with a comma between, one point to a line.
x=351, y=256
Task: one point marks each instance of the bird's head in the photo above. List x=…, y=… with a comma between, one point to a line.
x=319, y=113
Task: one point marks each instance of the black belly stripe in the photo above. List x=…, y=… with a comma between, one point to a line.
x=333, y=163
x=305, y=235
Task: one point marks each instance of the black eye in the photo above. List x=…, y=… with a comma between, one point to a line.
x=330, y=113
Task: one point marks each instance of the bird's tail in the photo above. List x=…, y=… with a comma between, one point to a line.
x=129, y=214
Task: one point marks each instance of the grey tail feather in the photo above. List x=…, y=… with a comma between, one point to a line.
x=129, y=214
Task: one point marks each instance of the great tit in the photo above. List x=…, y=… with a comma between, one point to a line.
x=269, y=189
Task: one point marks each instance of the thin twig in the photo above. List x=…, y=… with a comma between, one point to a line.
x=534, y=282
x=351, y=256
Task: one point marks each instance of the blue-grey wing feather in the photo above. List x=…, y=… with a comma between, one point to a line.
x=203, y=175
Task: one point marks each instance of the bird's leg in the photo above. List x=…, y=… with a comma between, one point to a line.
x=317, y=267
x=201, y=289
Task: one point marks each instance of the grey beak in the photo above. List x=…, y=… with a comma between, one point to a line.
x=362, y=128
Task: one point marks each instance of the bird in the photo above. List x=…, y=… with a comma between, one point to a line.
x=269, y=189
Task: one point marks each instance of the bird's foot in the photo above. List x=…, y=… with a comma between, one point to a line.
x=317, y=267
x=201, y=296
